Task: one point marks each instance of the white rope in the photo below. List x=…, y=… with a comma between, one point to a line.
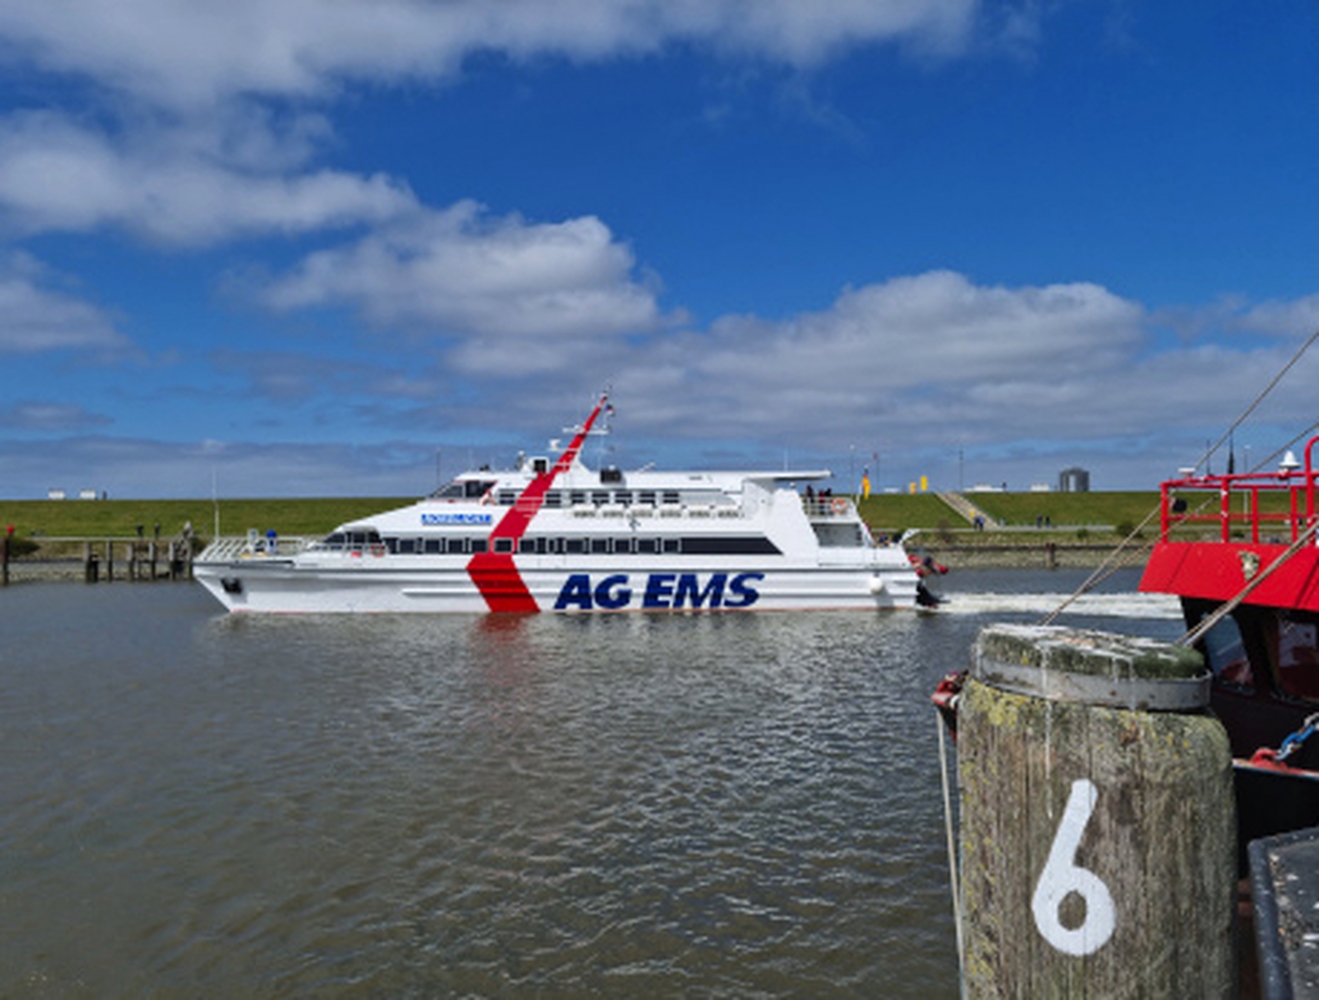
x=952, y=854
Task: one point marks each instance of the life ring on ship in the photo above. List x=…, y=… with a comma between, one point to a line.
x=839, y=506
x=377, y=550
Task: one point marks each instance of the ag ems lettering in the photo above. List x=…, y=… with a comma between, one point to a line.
x=662, y=592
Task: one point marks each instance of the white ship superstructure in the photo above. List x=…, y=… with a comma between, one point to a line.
x=555, y=535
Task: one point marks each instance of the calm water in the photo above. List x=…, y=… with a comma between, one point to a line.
x=742, y=805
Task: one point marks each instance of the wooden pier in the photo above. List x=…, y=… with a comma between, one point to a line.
x=133, y=558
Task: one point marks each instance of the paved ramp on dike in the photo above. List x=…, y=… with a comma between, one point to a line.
x=964, y=508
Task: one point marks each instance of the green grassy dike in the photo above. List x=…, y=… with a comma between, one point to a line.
x=1078, y=521
x=37, y=519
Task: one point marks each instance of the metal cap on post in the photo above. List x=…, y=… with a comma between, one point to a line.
x=1098, y=833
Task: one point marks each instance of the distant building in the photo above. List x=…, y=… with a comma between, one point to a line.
x=1074, y=480
x=87, y=494
x=56, y=495
x=1041, y=488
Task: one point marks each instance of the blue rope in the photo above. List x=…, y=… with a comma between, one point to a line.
x=1293, y=742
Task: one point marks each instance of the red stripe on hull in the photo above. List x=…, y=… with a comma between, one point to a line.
x=500, y=583
x=495, y=574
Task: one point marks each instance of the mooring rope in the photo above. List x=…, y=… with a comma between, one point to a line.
x=953, y=873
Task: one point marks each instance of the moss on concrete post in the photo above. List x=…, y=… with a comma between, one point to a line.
x=1098, y=833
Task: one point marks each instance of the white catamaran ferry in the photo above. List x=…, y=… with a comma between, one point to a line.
x=558, y=536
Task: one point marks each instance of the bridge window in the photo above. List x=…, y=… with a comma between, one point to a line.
x=1225, y=651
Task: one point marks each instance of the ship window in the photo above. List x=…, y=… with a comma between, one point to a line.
x=479, y=545
x=600, y=497
x=1298, y=654
x=1225, y=651
x=391, y=544
x=454, y=491
x=672, y=545
x=335, y=540
x=454, y=546
x=647, y=545
x=670, y=496
x=527, y=546
x=407, y=546
x=622, y=546
x=623, y=496
x=434, y=546
x=554, y=499
x=728, y=545
x=599, y=546
x=475, y=489
x=574, y=546
x=508, y=497
x=503, y=545
x=577, y=497
x=646, y=497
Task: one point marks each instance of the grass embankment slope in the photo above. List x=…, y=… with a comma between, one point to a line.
x=1037, y=529
x=34, y=520
x=1067, y=513
x=1061, y=511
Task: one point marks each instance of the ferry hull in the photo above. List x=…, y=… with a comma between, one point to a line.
x=277, y=586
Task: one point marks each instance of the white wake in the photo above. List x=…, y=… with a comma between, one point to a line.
x=1125, y=605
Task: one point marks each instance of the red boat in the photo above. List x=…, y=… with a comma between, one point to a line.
x=1248, y=542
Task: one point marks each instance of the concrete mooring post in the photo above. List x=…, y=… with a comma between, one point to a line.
x=1098, y=832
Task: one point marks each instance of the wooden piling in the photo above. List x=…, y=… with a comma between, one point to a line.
x=4, y=556
x=1098, y=834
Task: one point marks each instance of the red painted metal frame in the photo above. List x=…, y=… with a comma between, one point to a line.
x=1218, y=570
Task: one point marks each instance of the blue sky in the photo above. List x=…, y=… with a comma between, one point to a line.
x=302, y=247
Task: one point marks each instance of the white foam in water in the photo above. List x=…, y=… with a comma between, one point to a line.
x=1128, y=605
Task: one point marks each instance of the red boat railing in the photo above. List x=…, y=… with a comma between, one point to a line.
x=1246, y=502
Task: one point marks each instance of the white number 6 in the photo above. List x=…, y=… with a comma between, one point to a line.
x=1061, y=877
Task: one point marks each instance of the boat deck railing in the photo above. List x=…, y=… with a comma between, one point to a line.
x=1269, y=506
x=248, y=547
x=829, y=508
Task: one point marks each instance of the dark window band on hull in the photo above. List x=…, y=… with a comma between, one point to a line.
x=728, y=545
x=690, y=545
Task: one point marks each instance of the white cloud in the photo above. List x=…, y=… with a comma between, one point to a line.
x=462, y=272
x=933, y=359
x=174, y=187
x=1286, y=319
x=191, y=53
x=36, y=318
x=32, y=415
x=873, y=354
